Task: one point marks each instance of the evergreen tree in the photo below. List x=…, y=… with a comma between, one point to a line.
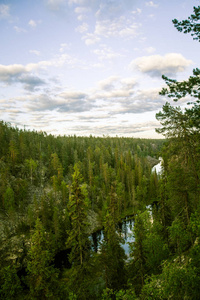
x=77, y=207
x=10, y=287
x=42, y=277
x=182, y=129
x=32, y=165
x=180, y=185
x=112, y=254
x=9, y=199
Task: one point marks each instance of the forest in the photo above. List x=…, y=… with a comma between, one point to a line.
x=56, y=193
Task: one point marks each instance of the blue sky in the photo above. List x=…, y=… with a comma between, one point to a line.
x=91, y=66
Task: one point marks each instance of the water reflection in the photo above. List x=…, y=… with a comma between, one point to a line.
x=126, y=226
x=125, y=229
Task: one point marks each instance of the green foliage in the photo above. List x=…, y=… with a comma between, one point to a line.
x=38, y=182
x=42, y=277
x=9, y=199
x=179, y=236
x=178, y=280
x=109, y=294
x=77, y=206
x=112, y=255
x=191, y=25
x=79, y=282
x=148, y=250
x=178, y=197
x=10, y=286
x=32, y=165
x=62, y=181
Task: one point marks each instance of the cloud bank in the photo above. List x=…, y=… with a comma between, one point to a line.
x=157, y=65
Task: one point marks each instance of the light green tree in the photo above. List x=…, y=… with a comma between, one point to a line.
x=32, y=165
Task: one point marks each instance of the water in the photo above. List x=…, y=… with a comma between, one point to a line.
x=127, y=224
x=158, y=167
x=125, y=228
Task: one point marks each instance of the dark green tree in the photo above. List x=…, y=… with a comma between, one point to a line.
x=77, y=207
x=42, y=277
x=182, y=129
x=10, y=286
x=9, y=199
x=112, y=255
x=191, y=25
x=180, y=185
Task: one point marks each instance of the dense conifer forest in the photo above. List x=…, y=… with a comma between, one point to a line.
x=56, y=193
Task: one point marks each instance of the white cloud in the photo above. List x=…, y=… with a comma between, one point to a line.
x=114, y=89
x=151, y=4
x=55, y=5
x=82, y=28
x=97, y=65
x=142, y=101
x=7, y=72
x=91, y=39
x=114, y=9
x=4, y=11
x=64, y=47
x=108, y=83
x=129, y=83
x=72, y=95
x=138, y=11
x=151, y=16
x=68, y=101
x=19, y=74
x=36, y=52
x=28, y=74
x=58, y=61
x=106, y=53
x=40, y=102
x=114, y=95
x=30, y=82
x=81, y=18
x=80, y=2
x=32, y=23
x=19, y=29
x=122, y=27
x=81, y=10
x=150, y=50
x=119, y=27
x=156, y=65
x=113, y=127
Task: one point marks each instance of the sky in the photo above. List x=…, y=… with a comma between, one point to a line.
x=91, y=67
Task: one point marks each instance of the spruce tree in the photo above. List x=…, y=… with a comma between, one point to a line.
x=42, y=277
x=77, y=207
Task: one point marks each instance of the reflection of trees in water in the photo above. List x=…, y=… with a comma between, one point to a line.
x=124, y=228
